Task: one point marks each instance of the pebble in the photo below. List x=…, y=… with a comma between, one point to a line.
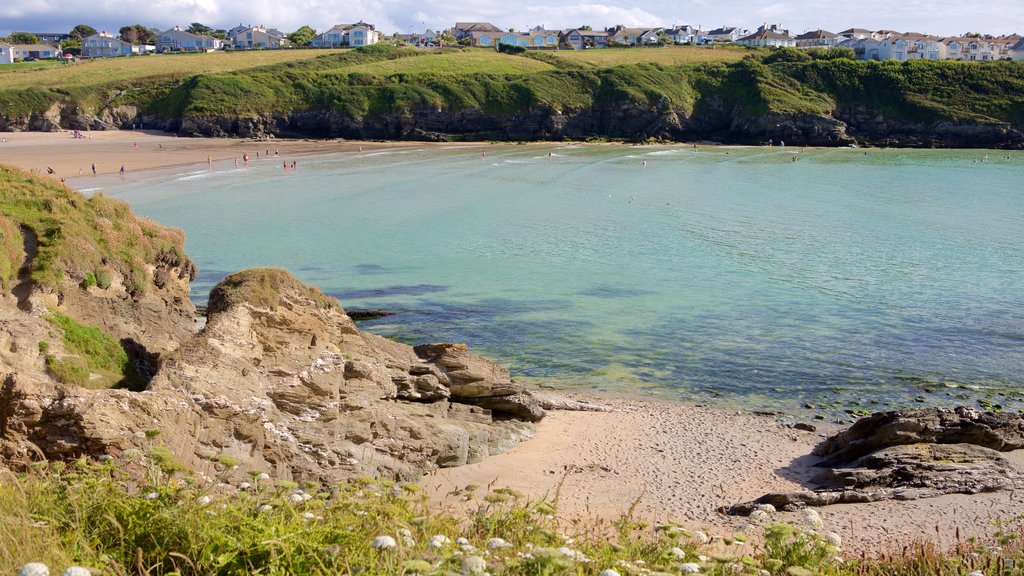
x=384, y=543
x=976, y=573
x=766, y=508
x=76, y=571
x=690, y=567
x=244, y=486
x=263, y=476
x=34, y=569
x=473, y=565
x=759, y=516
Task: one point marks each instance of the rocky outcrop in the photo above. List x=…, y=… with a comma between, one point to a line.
x=909, y=455
x=280, y=380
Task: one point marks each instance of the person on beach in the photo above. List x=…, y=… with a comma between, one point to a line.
x=49, y=170
x=245, y=158
x=93, y=168
x=121, y=171
x=209, y=160
x=285, y=164
x=295, y=163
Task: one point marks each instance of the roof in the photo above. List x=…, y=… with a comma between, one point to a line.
x=477, y=27
x=856, y=31
x=30, y=47
x=723, y=30
x=1018, y=46
x=816, y=35
x=766, y=35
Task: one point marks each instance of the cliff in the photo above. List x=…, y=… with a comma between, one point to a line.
x=279, y=380
x=784, y=95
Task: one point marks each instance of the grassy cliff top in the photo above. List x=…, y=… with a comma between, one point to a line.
x=77, y=236
x=262, y=288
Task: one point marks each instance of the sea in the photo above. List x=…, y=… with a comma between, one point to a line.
x=816, y=282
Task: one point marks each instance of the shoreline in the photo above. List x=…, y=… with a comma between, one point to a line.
x=675, y=460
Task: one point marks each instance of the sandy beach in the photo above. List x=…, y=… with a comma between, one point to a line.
x=674, y=462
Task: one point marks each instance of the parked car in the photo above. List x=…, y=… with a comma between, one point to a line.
x=28, y=59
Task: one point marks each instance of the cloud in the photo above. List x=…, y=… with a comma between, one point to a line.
x=944, y=17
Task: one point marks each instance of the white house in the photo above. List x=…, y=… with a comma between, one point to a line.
x=257, y=37
x=475, y=30
x=176, y=39
x=104, y=45
x=10, y=53
x=767, y=37
x=686, y=34
x=358, y=34
x=726, y=34
x=633, y=36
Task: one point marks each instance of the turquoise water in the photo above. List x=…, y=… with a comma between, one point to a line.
x=735, y=274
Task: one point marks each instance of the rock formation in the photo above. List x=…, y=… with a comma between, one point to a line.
x=906, y=455
x=278, y=380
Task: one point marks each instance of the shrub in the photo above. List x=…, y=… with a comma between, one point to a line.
x=89, y=281
x=97, y=352
x=103, y=279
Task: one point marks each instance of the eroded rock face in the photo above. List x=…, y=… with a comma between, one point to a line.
x=281, y=380
x=906, y=455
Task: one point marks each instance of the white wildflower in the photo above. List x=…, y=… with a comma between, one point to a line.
x=573, y=554
x=105, y=458
x=406, y=535
x=203, y=501
x=608, y=572
x=813, y=519
x=759, y=516
x=690, y=567
x=266, y=508
x=244, y=486
x=263, y=476
x=34, y=569
x=766, y=508
x=703, y=558
x=834, y=539
x=295, y=498
x=384, y=543
x=473, y=565
x=152, y=496
x=678, y=553
x=461, y=541
x=439, y=541
x=308, y=516
x=76, y=571
x=497, y=543
x=700, y=536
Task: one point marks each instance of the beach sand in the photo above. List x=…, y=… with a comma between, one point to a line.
x=679, y=463
x=674, y=462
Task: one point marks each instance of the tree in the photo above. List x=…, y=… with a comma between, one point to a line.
x=71, y=46
x=82, y=31
x=23, y=38
x=197, y=28
x=137, y=34
x=303, y=36
x=220, y=34
x=446, y=38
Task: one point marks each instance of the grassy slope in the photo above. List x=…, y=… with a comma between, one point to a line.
x=79, y=235
x=383, y=80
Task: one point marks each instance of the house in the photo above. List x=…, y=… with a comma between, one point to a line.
x=633, y=36
x=10, y=53
x=580, y=39
x=426, y=39
x=475, y=30
x=686, y=35
x=856, y=34
x=768, y=37
x=51, y=37
x=258, y=37
x=358, y=34
x=1017, y=50
x=104, y=45
x=535, y=38
x=818, y=39
x=726, y=34
x=176, y=40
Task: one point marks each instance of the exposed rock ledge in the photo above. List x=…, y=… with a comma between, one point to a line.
x=906, y=455
x=279, y=380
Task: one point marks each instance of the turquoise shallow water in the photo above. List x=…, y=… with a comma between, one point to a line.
x=842, y=279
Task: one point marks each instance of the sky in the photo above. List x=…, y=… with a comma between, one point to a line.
x=940, y=17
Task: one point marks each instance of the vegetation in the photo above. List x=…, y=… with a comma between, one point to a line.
x=11, y=252
x=101, y=361
x=303, y=36
x=262, y=288
x=141, y=515
x=667, y=56
x=22, y=38
x=78, y=235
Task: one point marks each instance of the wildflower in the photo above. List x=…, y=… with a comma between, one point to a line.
x=406, y=537
x=497, y=543
x=308, y=515
x=678, y=553
x=263, y=476
x=76, y=571
x=573, y=554
x=834, y=539
x=473, y=565
x=104, y=457
x=295, y=498
x=461, y=541
x=700, y=536
x=244, y=486
x=439, y=541
x=203, y=500
x=813, y=519
x=608, y=572
x=152, y=496
x=266, y=508
x=691, y=567
x=384, y=543
x=34, y=569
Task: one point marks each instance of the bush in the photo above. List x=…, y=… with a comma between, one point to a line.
x=103, y=279
x=96, y=351
x=510, y=49
x=89, y=281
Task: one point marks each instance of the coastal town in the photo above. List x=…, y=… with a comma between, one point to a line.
x=134, y=40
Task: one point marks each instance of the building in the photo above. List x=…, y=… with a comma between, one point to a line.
x=104, y=45
x=818, y=39
x=358, y=34
x=476, y=30
x=768, y=37
x=634, y=36
x=856, y=34
x=11, y=53
x=427, y=39
x=1017, y=50
x=726, y=34
x=686, y=35
x=50, y=37
x=176, y=40
x=581, y=39
x=254, y=37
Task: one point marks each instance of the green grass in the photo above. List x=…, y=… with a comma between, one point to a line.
x=666, y=56
x=78, y=235
x=452, y=62
x=11, y=252
x=139, y=514
x=262, y=288
x=101, y=361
